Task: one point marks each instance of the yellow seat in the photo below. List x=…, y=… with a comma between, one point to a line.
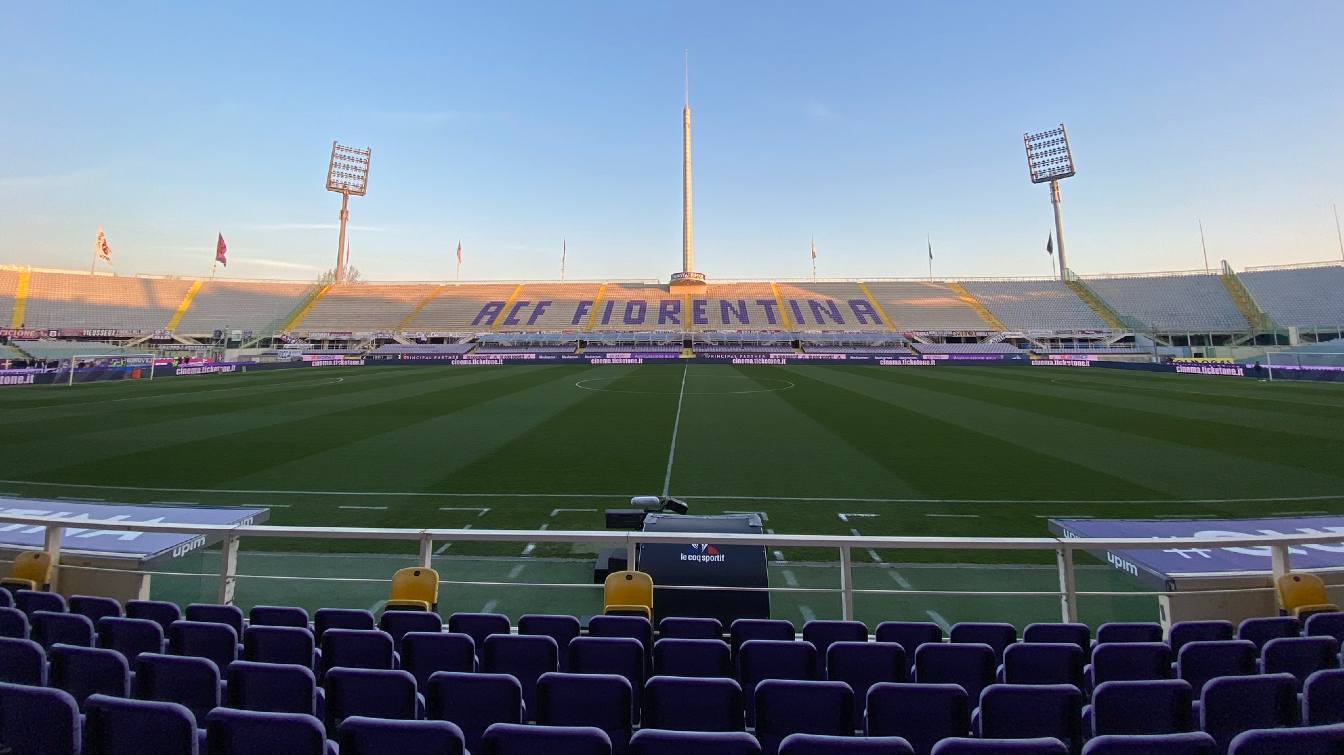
x=414, y=588
x=31, y=571
x=629, y=593
x=1303, y=594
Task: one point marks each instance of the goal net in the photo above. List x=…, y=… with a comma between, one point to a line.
x=1291, y=364
x=90, y=368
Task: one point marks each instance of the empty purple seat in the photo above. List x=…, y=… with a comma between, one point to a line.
x=85, y=671
x=863, y=664
x=788, y=706
x=1184, y=632
x=94, y=607
x=561, y=628
x=1128, y=661
x=273, y=688
x=49, y=628
x=130, y=637
x=758, y=660
x=970, y=665
x=218, y=614
x=38, y=720
x=922, y=714
x=1306, y=740
x=689, y=704
x=357, y=648
x=909, y=634
x=1299, y=656
x=244, y=732
x=1231, y=705
x=479, y=626
x=1329, y=624
x=690, y=628
x=398, y=623
x=663, y=742
x=610, y=655
x=1201, y=661
x=1043, y=663
x=525, y=657
x=1032, y=711
x=360, y=735
x=1144, y=707
x=6, y=598
x=519, y=739
x=218, y=642
x=423, y=653
x=965, y=746
x=474, y=702
x=119, y=726
x=742, y=630
x=31, y=601
x=598, y=700
x=340, y=618
x=823, y=744
x=22, y=662
x=160, y=612
x=187, y=681
x=278, y=616
x=278, y=644
x=1134, y=631
x=1263, y=630
x=1188, y=743
x=673, y=656
x=634, y=627
x=1323, y=698
x=1077, y=634
x=377, y=693
x=822, y=633
x=13, y=623
x=997, y=635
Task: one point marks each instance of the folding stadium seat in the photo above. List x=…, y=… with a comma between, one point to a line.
x=1183, y=632
x=1143, y=707
x=1306, y=740
x=788, y=706
x=278, y=616
x=1128, y=661
x=119, y=726
x=965, y=746
x=772, y=659
x=244, y=732
x=31, y=571
x=688, y=704
x=970, y=665
x=1188, y=743
x=474, y=702
x=1323, y=698
x=1326, y=624
x=519, y=739
x=1201, y=661
x=479, y=626
x=414, y=588
x=1231, y=705
x=272, y=644
x=423, y=653
x=1299, y=656
x=187, y=681
x=525, y=657
x=160, y=612
x=219, y=614
x=398, y=623
x=628, y=593
x=909, y=634
x=360, y=735
x=1138, y=631
x=599, y=700
x=32, y=601
x=690, y=628
x=38, y=720
x=1265, y=629
x=273, y=688
x=13, y=623
x=357, y=648
x=1030, y=711
x=634, y=627
x=922, y=714
x=66, y=628
x=85, y=671
x=130, y=637
x=742, y=630
x=863, y=664
x=95, y=607
x=1303, y=595
x=610, y=655
x=1078, y=634
x=662, y=742
x=821, y=633
x=827, y=744
x=673, y=656
x=996, y=635
x=378, y=693
x=1043, y=663
x=218, y=642
x=560, y=628
x=340, y=618
x=22, y=662
x=6, y=599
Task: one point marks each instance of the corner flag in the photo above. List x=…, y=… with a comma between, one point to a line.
x=221, y=251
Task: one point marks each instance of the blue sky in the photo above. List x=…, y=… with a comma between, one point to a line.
x=514, y=125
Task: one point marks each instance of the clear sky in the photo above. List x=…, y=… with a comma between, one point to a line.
x=512, y=126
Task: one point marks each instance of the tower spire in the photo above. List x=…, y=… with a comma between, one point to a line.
x=687, y=276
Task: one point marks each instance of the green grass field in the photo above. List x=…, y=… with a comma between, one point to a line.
x=962, y=451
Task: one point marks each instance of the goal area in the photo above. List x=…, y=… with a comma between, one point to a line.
x=92, y=368
x=1287, y=365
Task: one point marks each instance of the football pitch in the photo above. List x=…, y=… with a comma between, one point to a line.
x=815, y=449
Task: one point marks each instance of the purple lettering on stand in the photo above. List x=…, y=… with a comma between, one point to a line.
x=512, y=317
x=740, y=311
x=829, y=309
x=669, y=312
x=488, y=313
x=634, y=312
x=606, y=312
x=537, y=310
x=769, y=306
x=863, y=311
x=797, y=312
x=581, y=311
x=698, y=312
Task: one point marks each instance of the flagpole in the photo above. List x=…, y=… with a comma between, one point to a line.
x=564, y=252
x=929, y=239
x=1338, y=235
x=1202, y=245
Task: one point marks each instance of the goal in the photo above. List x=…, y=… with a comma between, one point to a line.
x=89, y=368
x=1288, y=365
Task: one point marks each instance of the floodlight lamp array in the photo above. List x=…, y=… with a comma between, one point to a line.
x=348, y=172
x=1049, y=157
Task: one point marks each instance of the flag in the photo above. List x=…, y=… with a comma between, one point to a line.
x=814, y=249
x=102, y=248
x=564, y=252
x=1050, y=244
x=930, y=250
x=459, y=252
x=222, y=251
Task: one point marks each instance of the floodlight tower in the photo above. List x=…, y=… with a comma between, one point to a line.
x=1048, y=160
x=347, y=175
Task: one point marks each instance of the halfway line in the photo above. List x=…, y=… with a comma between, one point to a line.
x=672, y=451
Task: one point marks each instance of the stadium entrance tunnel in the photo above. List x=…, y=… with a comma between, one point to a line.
x=702, y=384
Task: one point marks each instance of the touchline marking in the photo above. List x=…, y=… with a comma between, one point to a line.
x=448, y=544
x=676, y=424
x=1065, y=516
x=900, y=581
x=489, y=606
x=364, y=508
x=515, y=571
x=557, y=512
x=789, y=578
x=956, y=516
x=844, y=517
x=480, y=512
x=808, y=613
x=527, y=551
x=76, y=498
x=939, y=620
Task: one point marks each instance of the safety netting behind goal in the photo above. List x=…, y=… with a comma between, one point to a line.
x=91, y=368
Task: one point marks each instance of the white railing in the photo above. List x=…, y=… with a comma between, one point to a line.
x=1064, y=548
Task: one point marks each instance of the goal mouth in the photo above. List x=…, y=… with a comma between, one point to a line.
x=92, y=368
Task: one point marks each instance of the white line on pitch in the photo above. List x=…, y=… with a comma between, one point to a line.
x=480, y=511
x=174, y=503
x=956, y=516
x=939, y=620
x=527, y=551
x=489, y=606
x=77, y=498
x=676, y=424
x=871, y=553
x=844, y=517
x=1302, y=513
x=808, y=613
x=515, y=571
x=900, y=581
x=376, y=607
x=779, y=555
x=1065, y=516
x=789, y=578
x=764, y=516
x=364, y=508
x=556, y=512
x=448, y=544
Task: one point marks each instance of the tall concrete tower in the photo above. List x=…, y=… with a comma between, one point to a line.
x=687, y=276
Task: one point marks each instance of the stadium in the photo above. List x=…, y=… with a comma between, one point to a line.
x=1077, y=513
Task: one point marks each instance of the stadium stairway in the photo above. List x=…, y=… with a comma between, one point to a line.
x=20, y=299
x=597, y=303
x=1098, y=304
x=305, y=306
x=1254, y=315
x=184, y=306
x=406, y=321
x=886, y=321
x=508, y=307
x=993, y=322
x=784, y=315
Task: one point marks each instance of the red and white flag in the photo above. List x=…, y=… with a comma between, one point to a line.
x=459, y=252
x=222, y=251
x=102, y=248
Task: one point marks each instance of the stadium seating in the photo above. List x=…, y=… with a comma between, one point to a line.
x=39, y=721
x=675, y=656
x=1306, y=296
x=360, y=735
x=690, y=704
x=919, y=305
x=1197, y=302
x=77, y=300
x=1302, y=595
x=791, y=706
x=119, y=726
x=1191, y=743
x=662, y=742
x=923, y=714
x=241, y=732
x=1035, y=305
x=603, y=701
x=256, y=306
x=861, y=665
x=130, y=637
x=1161, y=706
x=192, y=682
x=1306, y=740
x=273, y=687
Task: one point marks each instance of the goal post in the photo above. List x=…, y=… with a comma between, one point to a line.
x=89, y=368
x=1288, y=364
